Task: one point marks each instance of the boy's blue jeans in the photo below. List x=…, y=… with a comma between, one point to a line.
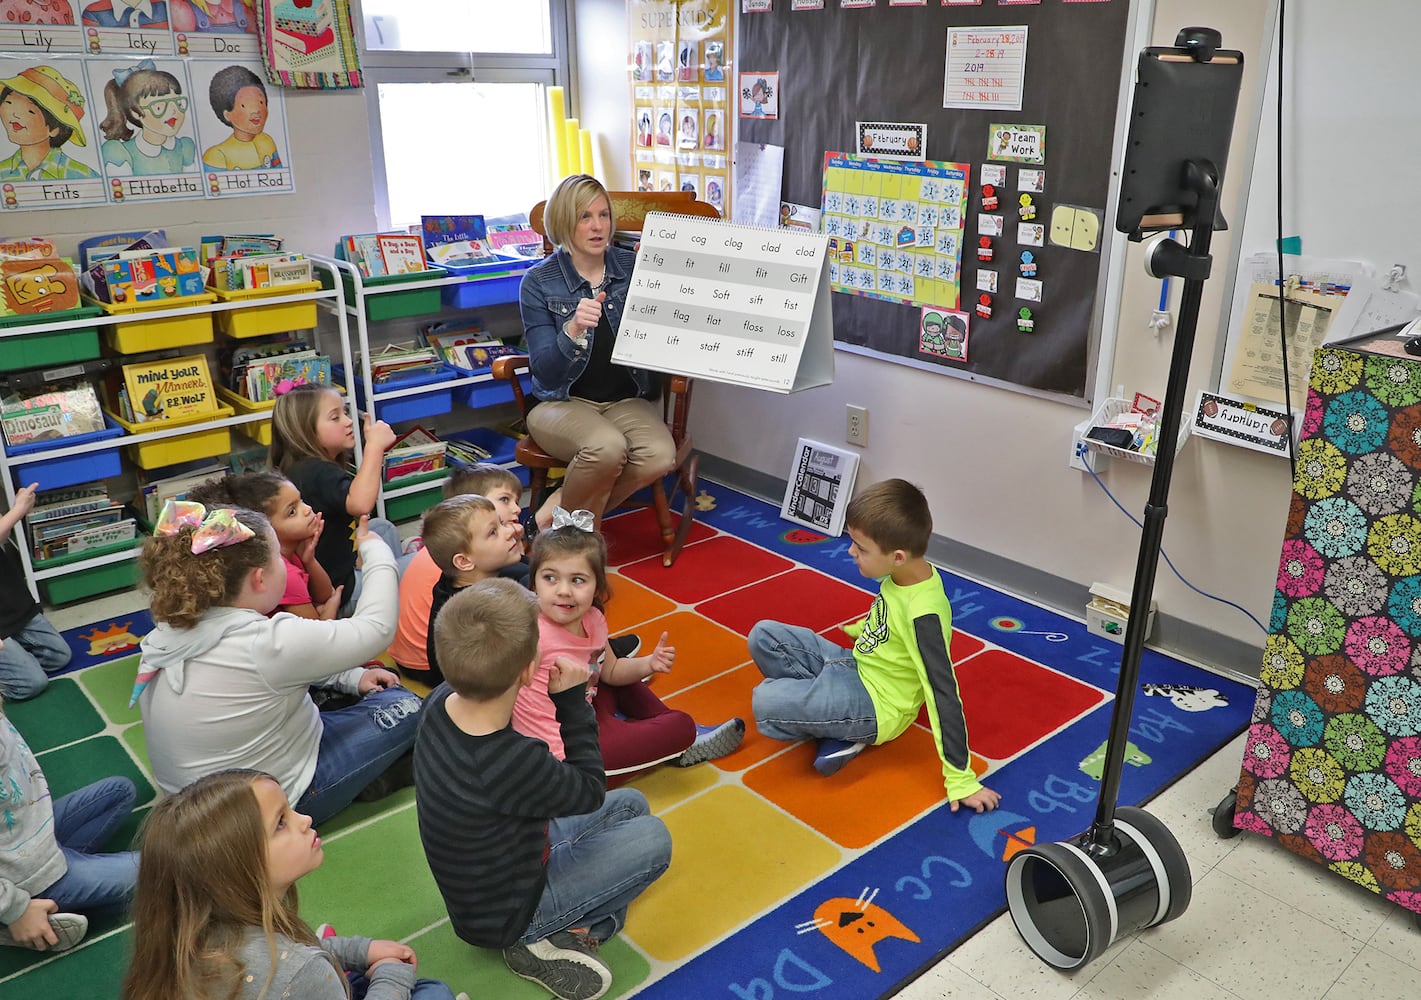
x=357, y=745
x=84, y=820
x=598, y=863
x=811, y=687
x=29, y=656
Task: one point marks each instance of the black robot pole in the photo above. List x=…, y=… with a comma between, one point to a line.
x=1193, y=265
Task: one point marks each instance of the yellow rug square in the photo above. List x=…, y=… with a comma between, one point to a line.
x=666, y=787
x=723, y=831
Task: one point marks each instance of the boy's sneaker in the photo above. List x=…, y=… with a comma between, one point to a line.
x=625, y=645
x=70, y=928
x=325, y=931
x=566, y=964
x=712, y=742
x=834, y=754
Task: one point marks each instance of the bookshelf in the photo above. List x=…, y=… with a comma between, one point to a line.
x=111, y=568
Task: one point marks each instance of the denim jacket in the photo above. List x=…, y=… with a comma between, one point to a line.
x=547, y=298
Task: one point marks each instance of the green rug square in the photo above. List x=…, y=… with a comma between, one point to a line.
x=136, y=741
x=111, y=685
x=480, y=972
x=374, y=881
x=60, y=715
x=84, y=763
x=359, y=812
x=93, y=970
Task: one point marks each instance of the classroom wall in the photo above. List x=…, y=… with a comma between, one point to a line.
x=994, y=462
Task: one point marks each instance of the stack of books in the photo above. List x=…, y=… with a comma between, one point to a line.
x=414, y=452
x=77, y=520
x=513, y=234
x=60, y=410
x=268, y=270
x=464, y=344
x=162, y=390
x=153, y=493
x=379, y=254
x=403, y=360
x=465, y=453
x=144, y=271
x=253, y=371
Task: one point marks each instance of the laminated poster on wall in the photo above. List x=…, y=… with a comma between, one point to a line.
x=140, y=129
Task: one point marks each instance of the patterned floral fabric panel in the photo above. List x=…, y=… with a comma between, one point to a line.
x=1332, y=767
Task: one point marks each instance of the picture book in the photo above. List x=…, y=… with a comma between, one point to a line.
x=401, y=254
x=175, y=387
x=439, y=230
x=29, y=247
x=515, y=234
x=148, y=276
x=414, y=452
x=97, y=248
x=153, y=493
x=57, y=412
x=33, y=285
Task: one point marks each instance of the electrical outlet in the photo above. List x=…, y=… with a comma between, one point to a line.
x=856, y=430
x=1079, y=454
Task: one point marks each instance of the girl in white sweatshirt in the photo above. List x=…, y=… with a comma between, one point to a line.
x=221, y=685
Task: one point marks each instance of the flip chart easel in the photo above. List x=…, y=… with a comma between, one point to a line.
x=729, y=303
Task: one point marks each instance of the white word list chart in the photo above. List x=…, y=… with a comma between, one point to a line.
x=730, y=303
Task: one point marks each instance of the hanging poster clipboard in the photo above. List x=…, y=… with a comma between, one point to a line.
x=729, y=303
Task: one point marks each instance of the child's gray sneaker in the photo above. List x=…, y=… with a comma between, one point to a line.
x=712, y=742
x=565, y=963
x=70, y=928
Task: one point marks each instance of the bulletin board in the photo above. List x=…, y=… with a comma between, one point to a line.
x=839, y=66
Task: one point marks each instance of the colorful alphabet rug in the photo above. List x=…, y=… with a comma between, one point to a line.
x=782, y=882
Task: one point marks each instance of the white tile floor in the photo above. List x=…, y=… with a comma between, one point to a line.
x=1263, y=923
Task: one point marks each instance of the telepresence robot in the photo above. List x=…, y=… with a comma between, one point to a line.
x=1071, y=900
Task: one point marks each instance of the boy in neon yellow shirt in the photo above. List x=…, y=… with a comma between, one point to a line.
x=900, y=660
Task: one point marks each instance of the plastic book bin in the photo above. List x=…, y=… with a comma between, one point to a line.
x=259, y=430
x=55, y=347
x=418, y=299
x=55, y=473
x=91, y=582
x=499, y=446
x=494, y=283
x=259, y=320
x=426, y=404
x=210, y=442
x=159, y=333
x=412, y=505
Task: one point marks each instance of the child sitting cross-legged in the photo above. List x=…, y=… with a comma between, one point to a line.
x=531, y=854
x=51, y=877
x=216, y=912
x=635, y=728
x=901, y=660
x=223, y=685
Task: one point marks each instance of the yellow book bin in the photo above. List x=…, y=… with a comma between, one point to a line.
x=159, y=332
x=209, y=442
x=258, y=430
x=257, y=320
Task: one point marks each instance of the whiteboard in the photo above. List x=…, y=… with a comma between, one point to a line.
x=1351, y=142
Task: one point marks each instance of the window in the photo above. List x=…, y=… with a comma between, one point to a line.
x=456, y=91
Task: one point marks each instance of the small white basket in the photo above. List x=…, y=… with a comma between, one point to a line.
x=1108, y=411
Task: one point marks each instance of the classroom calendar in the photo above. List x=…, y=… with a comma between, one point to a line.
x=895, y=228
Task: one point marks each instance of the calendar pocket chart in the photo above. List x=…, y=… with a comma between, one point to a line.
x=730, y=303
x=895, y=228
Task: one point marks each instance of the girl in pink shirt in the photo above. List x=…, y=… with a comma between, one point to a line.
x=568, y=573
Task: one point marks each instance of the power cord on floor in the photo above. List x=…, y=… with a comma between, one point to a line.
x=1083, y=453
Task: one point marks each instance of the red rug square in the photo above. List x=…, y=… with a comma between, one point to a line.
x=1012, y=703
x=800, y=597
x=708, y=568
x=636, y=535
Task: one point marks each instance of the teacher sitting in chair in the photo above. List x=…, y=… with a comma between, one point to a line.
x=597, y=416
